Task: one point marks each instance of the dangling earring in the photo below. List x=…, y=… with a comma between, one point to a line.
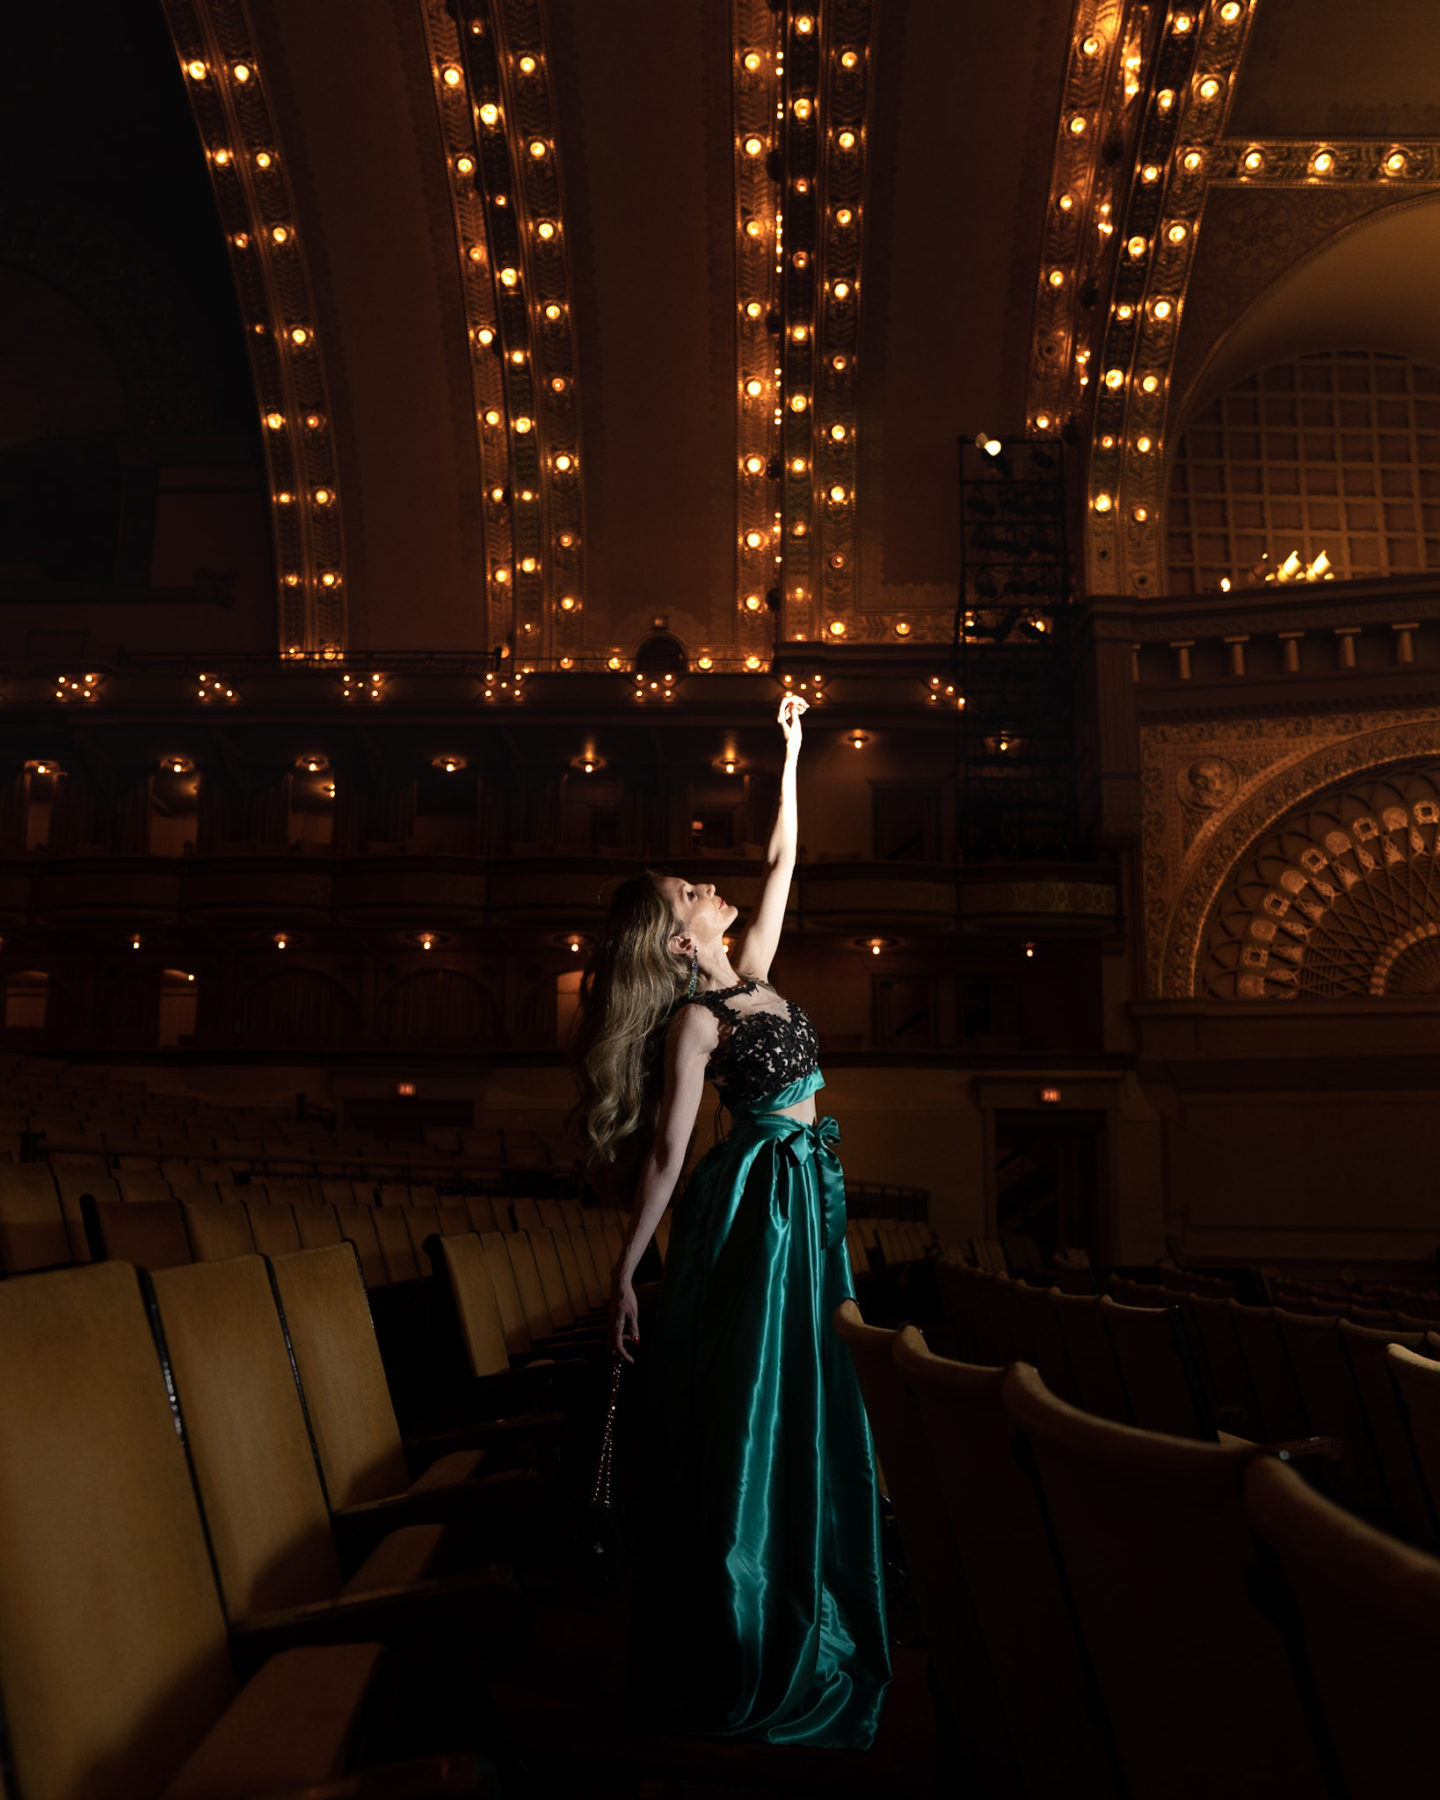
x=694, y=974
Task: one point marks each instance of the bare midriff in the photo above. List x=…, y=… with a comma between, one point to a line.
x=803, y=1110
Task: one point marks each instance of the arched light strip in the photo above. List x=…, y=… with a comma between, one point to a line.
x=537, y=318
x=468, y=142
x=1291, y=162
x=248, y=171
x=758, y=47
x=1096, y=83
x=1185, y=114
x=844, y=90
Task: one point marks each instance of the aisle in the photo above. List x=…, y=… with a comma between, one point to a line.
x=563, y=1704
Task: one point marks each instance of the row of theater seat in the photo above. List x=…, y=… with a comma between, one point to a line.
x=238, y=1609
x=1117, y=1612
x=1197, y=1362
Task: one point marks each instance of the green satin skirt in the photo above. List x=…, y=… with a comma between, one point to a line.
x=759, y=1600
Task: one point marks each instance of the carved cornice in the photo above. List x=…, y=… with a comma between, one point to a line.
x=1213, y=789
x=248, y=171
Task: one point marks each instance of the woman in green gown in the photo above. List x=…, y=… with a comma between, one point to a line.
x=759, y=1606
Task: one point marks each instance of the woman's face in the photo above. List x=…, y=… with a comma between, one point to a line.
x=704, y=914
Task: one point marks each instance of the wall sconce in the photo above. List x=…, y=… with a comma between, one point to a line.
x=587, y=762
x=136, y=940
x=281, y=941
x=857, y=739
x=573, y=941
x=405, y=1089
x=1029, y=949
x=1049, y=1096
x=177, y=765
x=312, y=765
x=728, y=763
x=449, y=765
x=875, y=944
x=427, y=940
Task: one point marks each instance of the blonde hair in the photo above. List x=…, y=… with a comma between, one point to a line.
x=630, y=989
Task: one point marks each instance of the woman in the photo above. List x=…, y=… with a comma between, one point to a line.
x=759, y=1604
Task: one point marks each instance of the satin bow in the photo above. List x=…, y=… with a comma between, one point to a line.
x=815, y=1143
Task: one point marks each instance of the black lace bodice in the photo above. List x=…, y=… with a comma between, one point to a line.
x=765, y=1042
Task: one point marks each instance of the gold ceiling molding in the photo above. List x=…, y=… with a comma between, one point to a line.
x=1213, y=790
x=495, y=101
x=247, y=163
x=801, y=108
x=1383, y=164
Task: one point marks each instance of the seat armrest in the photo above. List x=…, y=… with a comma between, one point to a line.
x=489, y=1500
x=484, y=1600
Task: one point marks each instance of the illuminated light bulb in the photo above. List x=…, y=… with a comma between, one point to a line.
x=902, y=628
x=517, y=356
x=753, y=60
x=1177, y=233
x=753, y=309
x=801, y=259
x=1150, y=383
x=567, y=662
x=136, y=940
x=705, y=662
x=848, y=59
x=527, y=65
x=313, y=421
x=451, y=75
x=1090, y=46
x=489, y=113
x=242, y=72
x=485, y=337
x=280, y=940
x=751, y=662
x=799, y=333
x=1183, y=22
x=1114, y=378
x=1192, y=160
x=567, y=603
x=798, y=403
x=566, y=539
x=1253, y=160
x=292, y=580
x=263, y=159
x=427, y=941
x=284, y=498
x=465, y=165
x=329, y=579
x=490, y=416
x=754, y=145
x=1057, y=278
x=754, y=464
x=1151, y=172
x=754, y=539
x=1078, y=123
x=1395, y=163
x=1144, y=445
x=1165, y=99
x=846, y=140
x=753, y=228
x=839, y=364
x=241, y=241
x=841, y=290
x=1137, y=246
x=1107, y=442
x=804, y=24
x=196, y=70
x=1125, y=310
x=476, y=253
x=837, y=628
x=538, y=148
x=1042, y=421
x=275, y=420
x=553, y=312
x=838, y=493
x=1102, y=503
x=564, y=462
x=545, y=229
x=798, y=465
x=754, y=387
x=502, y=576
x=528, y=565
x=222, y=157
x=1141, y=515
x=803, y=108
x=1029, y=949
x=1323, y=162
x=522, y=424
x=614, y=663
x=1066, y=202
x=1209, y=88
x=1231, y=11
x=508, y=277
x=323, y=496
x=299, y=335
x=1162, y=309
x=279, y=235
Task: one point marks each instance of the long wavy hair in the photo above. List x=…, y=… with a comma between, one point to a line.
x=629, y=991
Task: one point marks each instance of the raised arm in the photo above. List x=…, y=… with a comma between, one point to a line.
x=762, y=938
x=692, y=1037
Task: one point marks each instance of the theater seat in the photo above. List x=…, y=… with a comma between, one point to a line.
x=115, y=1677
x=280, y=1570
x=149, y=1233
x=33, y=1233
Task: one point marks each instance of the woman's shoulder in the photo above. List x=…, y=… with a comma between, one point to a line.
x=695, y=1020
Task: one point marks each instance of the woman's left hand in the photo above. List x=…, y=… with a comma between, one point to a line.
x=788, y=719
x=624, y=1315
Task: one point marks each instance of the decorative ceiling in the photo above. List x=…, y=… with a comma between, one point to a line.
x=667, y=318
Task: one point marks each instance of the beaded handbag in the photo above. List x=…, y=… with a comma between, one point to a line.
x=602, y=1485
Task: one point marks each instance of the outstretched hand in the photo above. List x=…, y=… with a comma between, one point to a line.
x=788, y=719
x=624, y=1315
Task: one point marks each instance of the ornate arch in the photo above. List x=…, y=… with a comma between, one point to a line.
x=1227, y=857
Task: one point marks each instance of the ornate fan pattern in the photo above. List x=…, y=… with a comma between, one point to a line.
x=1342, y=898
